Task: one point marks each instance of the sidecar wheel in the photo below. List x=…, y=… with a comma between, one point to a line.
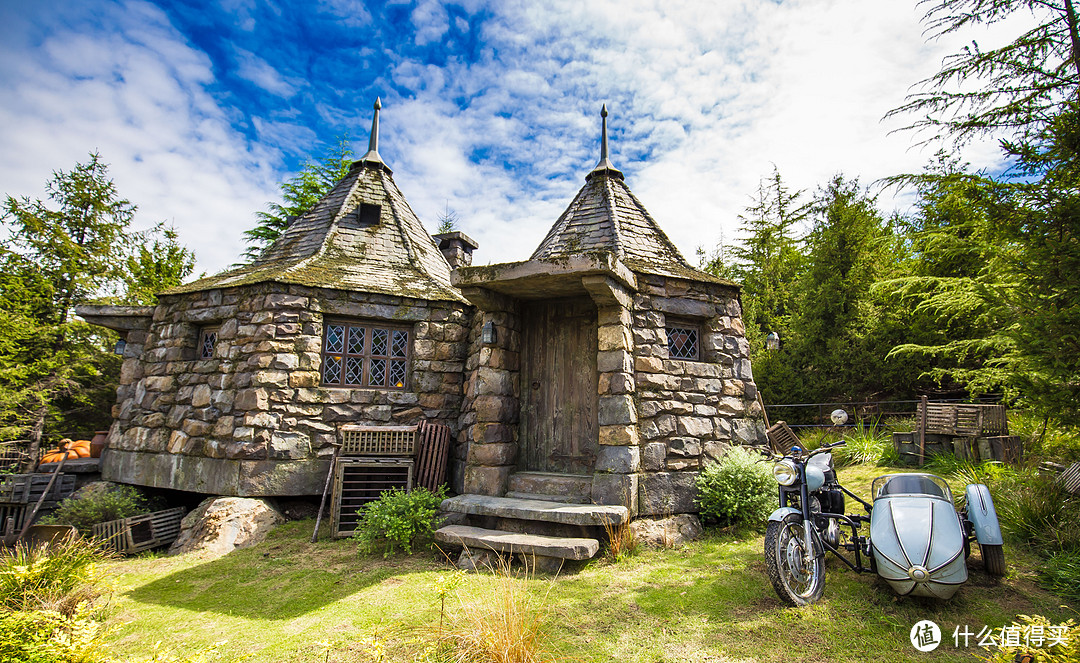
x=993, y=559
x=794, y=580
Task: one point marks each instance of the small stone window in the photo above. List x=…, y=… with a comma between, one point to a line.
x=208, y=337
x=365, y=354
x=683, y=340
x=364, y=216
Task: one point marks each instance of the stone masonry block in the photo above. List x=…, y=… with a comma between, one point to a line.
x=620, y=460
x=654, y=456
x=616, y=410
x=618, y=435
x=491, y=455
x=667, y=493
x=616, y=489
x=613, y=337
x=481, y=480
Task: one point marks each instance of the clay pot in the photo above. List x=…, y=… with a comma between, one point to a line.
x=97, y=443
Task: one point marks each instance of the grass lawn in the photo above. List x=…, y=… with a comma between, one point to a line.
x=289, y=600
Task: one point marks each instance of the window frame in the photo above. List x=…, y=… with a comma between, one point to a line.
x=687, y=324
x=366, y=356
x=200, y=345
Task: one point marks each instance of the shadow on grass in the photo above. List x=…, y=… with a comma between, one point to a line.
x=283, y=577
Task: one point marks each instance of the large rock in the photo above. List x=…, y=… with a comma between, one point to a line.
x=666, y=532
x=221, y=524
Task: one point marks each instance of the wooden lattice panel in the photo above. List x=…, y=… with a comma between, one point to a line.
x=432, y=457
x=782, y=438
x=966, y=420
x=1070, y=479
x=360, y=481
x=27, y=488
x=139, y=533
x=357, y=440
x=12, y=518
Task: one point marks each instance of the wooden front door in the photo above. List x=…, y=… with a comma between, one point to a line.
x=559, y=431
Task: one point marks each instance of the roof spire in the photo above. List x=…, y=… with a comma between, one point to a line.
x=372, y=154
x=605, y=165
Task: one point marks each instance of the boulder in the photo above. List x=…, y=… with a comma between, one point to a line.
x=219, y=525
x=666, y=532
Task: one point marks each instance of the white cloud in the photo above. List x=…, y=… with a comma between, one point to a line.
x=136, y=94
x=257, y=71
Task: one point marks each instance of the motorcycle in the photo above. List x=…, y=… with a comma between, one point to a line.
x=916, y=540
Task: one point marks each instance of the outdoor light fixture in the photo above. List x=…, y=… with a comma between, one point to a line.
x=120, y=345
x=487, y=333
x=772, y=341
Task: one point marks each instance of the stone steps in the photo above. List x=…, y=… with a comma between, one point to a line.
x=477, y=538
x=584, y=515
x=551, y=486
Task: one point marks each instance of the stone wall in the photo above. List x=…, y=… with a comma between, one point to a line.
x=688, y=411
x=487, y=449
x=253, y=420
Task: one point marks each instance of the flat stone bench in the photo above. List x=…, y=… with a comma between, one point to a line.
x=586, y=515
x=509, y=542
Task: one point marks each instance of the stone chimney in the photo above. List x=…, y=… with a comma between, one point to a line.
x=457, y=247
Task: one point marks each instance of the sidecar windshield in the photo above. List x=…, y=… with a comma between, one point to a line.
x=911, y=484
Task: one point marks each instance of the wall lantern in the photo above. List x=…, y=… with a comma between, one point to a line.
x=120, y=345
x=488, y=336
x=772, y=341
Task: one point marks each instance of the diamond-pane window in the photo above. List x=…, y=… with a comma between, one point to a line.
x=331, y=369
x=397, y=373
x=335, y=338
x=356, y=340
x=400, y=346
x=358, y=354
x=682, y=342
x=378, y=342
x=207, y=342
x=377, y=373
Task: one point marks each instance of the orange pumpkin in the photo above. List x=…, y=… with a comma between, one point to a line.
x=81, y=448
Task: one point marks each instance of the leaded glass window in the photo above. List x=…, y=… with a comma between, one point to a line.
x=682, y=341
x=207, y=342
x=365, y=354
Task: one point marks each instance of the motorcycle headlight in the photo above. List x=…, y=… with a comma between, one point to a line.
x=785, y=473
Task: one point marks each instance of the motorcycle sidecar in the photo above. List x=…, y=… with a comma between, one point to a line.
x=916, y=536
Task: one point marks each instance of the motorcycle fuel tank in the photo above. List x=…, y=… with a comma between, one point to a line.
x=916, y=536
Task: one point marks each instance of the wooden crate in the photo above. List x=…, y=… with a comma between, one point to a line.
x=139, y=533
x=27, y=488
x=361, y=440
x=1070, y=479
x=432, y=456
x=358, y=481
x=782, y=438
x=12, y=518
x=963, y=420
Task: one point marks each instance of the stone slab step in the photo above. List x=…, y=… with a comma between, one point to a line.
x=529, y=544
x=574, y=488
x=553, y=512
x=564, y=499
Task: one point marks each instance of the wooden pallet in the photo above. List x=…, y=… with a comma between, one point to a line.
x=13, y=518
x=963, y=420
x=363, y=440
x=432, y=456
x=359, y=481
x=782, y=438
x=139, y=533
x=28, y=488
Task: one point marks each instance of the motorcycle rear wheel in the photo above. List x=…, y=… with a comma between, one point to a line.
x=795, y=581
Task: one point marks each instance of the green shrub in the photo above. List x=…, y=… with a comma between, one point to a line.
x=57, y=577
x=99, y=506
x=1045, y=439
x=398, y=518
x=738, y=490
x=45, y=636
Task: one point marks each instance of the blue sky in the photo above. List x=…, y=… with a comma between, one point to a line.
x=202, y=108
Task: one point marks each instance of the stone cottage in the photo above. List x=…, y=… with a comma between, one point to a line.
x=604, y=370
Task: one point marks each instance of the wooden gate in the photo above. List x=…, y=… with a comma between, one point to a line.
x=559, y=431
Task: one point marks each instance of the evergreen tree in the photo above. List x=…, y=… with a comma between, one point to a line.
x=299, y=194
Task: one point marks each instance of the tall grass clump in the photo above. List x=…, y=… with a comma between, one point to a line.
x=57, y=577
x=1044, y=438
x=507, y=625
x=865, y=444
x=739, y=490
x=620, y=540
x=1033, y=507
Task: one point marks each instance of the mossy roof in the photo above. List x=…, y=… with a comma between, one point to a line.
x=605, y=216
x=330, y=246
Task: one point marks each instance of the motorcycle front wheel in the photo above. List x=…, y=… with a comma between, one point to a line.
x=795, y=581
